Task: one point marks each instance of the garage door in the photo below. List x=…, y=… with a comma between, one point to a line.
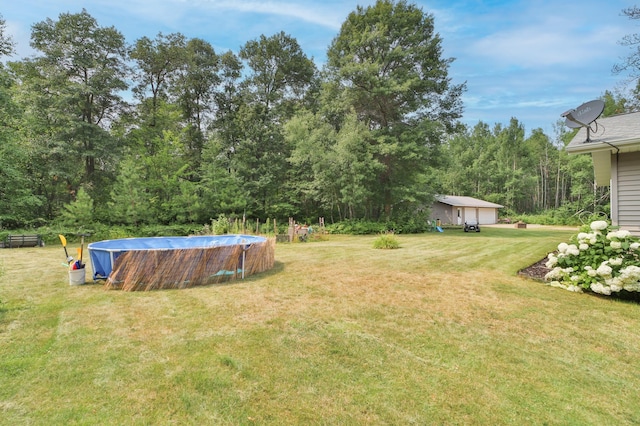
x=487, y=216
x=470, y=214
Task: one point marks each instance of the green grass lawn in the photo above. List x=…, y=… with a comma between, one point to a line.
x=439, y=331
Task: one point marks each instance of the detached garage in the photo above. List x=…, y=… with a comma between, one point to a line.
x=456, y=210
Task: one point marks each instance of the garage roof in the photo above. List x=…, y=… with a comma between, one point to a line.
x=461, y=201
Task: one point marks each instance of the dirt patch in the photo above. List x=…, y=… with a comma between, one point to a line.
x=537, y=271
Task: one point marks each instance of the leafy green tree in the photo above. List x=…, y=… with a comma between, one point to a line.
x=388, y=59
x=220, y=187
x=158, y=64
x=78, y=213
x=130, y=204
x=70, y=94
x=631, y=62
x=88, y=63
x=470, y=158
x=332, y=172
x=227, y=99
x=224, y=130
x=7, y=46
x=157, y=134
x=279, y=74
x=158, y=166
x=526, y=175
x=50, y=170
x=513, y=182
x=19, y=205
x=614, y=103
x=577, y=190
x=582, y=194
x=544, y=156
x=357, y=167
x=185, y=77
x=311, y=176
x=154, y=189
x=262, y=133
x=631, y=65
x=194, y=91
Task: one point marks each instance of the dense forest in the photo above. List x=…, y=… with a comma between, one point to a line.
x=165, y=130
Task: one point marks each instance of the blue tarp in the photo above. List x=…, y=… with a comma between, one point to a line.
x=104, y=253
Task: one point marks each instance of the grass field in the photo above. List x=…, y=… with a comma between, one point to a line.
x=439, y=331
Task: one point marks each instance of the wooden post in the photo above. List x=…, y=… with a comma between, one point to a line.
x=292, y=229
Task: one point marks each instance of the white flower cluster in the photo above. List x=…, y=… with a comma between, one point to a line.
x=615, y=238
x=617, y=273
x=564, y=250
x=552, y=261
x=621, y=234
x=569, y=287
x=588, y=239
x=557, y=277
x=628, y=279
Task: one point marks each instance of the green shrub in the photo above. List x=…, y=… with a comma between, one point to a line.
x=410, y=223
x=78, y=213
x=600, y=259
x=221, y=225
x=386, y=241
x=357, y=227
x=176, y=230
x=101, y=231
x=564, y=215
x=414, y=223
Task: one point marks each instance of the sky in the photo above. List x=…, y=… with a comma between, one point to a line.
x=528, y=59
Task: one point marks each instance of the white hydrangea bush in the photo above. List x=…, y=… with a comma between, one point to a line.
x=600, y=259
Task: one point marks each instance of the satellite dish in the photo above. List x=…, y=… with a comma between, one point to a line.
x=584, y=115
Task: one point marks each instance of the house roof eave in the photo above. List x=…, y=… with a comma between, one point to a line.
x=599, y=145
x=464, y=201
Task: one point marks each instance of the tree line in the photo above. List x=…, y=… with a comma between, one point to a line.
x=167, y=130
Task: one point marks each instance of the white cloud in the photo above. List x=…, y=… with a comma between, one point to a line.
x=540, y=47
x=326, y=14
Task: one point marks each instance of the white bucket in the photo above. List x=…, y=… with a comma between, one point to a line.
x=77, y=276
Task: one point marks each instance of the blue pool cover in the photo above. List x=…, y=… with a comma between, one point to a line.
x=104, y=253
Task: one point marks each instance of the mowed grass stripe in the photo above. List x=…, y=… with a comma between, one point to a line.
x=441, y=330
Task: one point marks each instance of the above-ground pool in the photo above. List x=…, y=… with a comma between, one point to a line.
x=178, y=262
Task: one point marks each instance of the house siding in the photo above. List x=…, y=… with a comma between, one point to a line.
x=627, y=177
x=442, y=212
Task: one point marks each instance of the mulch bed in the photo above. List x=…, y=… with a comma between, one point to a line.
x=537, y=271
